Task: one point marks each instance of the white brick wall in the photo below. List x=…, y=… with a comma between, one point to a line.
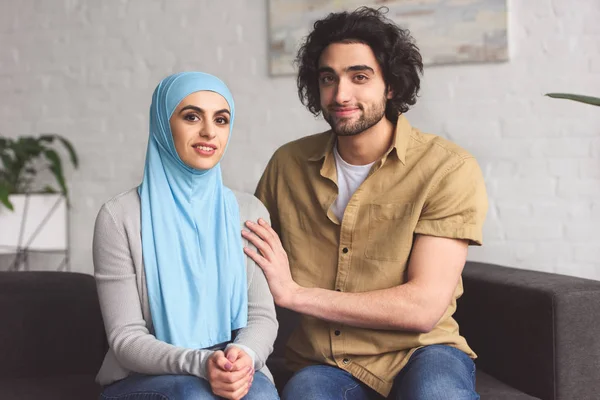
x=86, y=69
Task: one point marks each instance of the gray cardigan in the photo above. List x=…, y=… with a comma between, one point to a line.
x=120, y=279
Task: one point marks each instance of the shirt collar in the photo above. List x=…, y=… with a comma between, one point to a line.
x=323, y=151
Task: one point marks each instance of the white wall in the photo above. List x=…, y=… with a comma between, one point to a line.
x=86, y=69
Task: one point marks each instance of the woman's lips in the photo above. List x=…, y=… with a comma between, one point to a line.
x=204, y=150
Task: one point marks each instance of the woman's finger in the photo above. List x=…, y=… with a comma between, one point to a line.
x=221, y=361
x=241, y=392
x=229, y=389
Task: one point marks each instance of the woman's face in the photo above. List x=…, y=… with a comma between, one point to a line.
x=200, y=127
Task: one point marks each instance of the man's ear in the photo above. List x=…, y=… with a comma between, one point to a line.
x=389, y=93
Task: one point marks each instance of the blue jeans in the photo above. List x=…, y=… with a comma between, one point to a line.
x=435, y=372
x=179, y=387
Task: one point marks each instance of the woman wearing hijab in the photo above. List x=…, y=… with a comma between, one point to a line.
x=187, y=314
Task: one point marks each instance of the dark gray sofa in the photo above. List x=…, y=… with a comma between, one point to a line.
x=52, y=339
x=535, y=333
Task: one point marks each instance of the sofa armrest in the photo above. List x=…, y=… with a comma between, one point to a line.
x=536, y=331
x=50, y=324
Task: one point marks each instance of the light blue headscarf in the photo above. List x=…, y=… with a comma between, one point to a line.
x=191, y=233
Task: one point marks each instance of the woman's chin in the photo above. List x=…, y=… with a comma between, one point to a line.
x=203, y=164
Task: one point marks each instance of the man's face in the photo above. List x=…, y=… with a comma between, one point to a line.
x=352, y=89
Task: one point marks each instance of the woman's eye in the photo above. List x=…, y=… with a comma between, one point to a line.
x=191, y=117
x=221, y=120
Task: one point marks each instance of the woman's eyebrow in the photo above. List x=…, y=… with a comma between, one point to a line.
x=191, y=107
x=201, y=111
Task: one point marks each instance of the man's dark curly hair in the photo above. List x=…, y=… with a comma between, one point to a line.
x=394, y=49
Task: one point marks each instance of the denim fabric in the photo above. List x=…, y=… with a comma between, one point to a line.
x=179, y=387
x=435, y=372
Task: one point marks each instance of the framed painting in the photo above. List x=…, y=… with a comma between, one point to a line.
x=446, y=31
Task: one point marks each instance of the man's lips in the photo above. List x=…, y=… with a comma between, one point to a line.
x=344, y=112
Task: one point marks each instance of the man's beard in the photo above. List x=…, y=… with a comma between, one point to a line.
x=365, y=121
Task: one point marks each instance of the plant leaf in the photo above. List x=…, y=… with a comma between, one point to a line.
x=595, y=101
x=4, y=192
x=18, y=161
x=6, y=161
x=30, y=145
x=56, y=168
x=70, y=149
x=47, y=138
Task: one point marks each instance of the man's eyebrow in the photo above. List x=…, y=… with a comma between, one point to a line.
x=360, y=68
x=201, y=111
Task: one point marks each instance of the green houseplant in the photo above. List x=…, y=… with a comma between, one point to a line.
x=595, y=101
x=21, y=159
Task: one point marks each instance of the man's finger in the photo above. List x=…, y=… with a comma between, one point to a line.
x=260, y=231
x=269, y=229
x=260, y=244
x=257, y=258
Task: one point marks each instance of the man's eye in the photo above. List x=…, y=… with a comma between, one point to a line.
x=326, y=79
x=361, y=77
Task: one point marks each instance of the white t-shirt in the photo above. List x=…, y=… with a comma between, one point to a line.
x=349, y=178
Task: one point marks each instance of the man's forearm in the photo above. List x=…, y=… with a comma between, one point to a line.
x=398, y=308
x=417, y=305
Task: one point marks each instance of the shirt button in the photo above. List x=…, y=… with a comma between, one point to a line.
x=337, y=333
x=345, y=250
x=345, y=361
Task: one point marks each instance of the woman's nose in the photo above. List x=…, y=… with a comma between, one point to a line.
x=207, y=130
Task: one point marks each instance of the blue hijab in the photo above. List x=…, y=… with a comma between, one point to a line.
x=191, y=233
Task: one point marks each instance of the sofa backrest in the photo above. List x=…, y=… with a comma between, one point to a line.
x=288, y=320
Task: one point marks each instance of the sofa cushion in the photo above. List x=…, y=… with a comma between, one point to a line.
x=64, y=387
x=490, y=388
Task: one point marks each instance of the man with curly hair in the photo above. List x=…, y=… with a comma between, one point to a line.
x=371, y=221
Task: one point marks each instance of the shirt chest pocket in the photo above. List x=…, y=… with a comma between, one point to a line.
x=390, y=231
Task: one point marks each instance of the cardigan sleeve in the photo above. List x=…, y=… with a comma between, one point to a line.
x=133, y=345
x=260, y=333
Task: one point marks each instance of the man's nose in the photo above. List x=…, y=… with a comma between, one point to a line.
x=343, y=92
